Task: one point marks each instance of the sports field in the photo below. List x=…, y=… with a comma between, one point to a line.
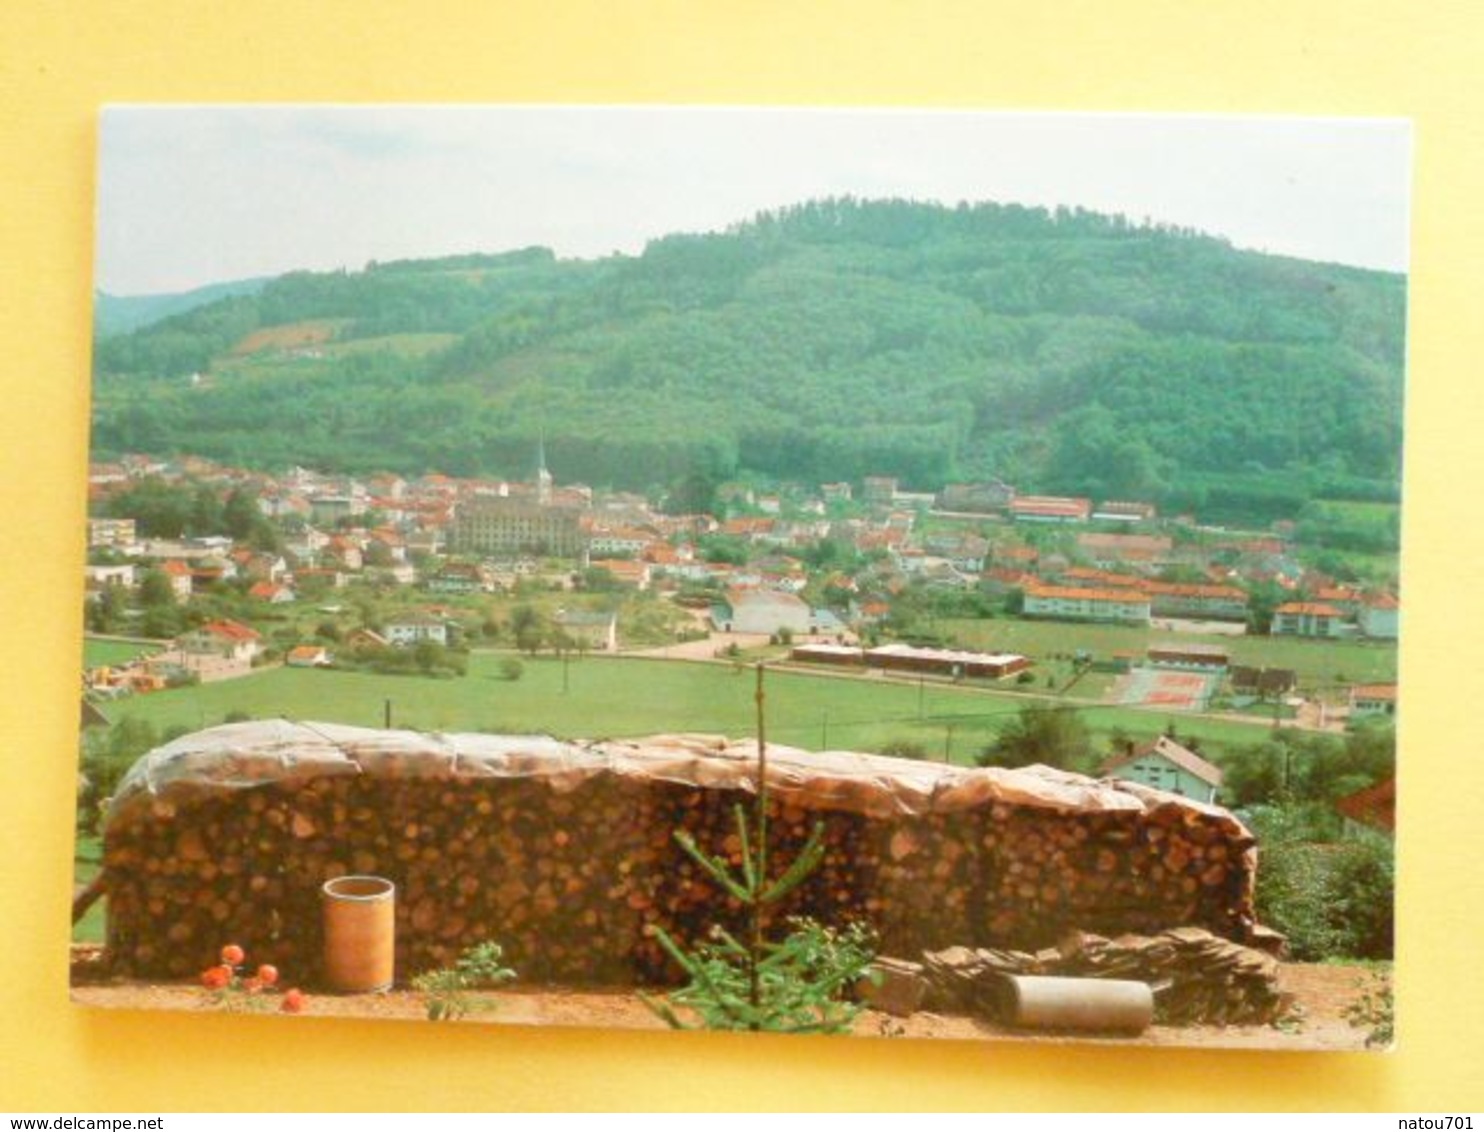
x=604, y=697
x=1319, y=664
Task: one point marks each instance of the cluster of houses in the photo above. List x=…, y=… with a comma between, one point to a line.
x=1108, y=561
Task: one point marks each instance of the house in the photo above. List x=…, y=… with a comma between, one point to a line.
x=596, y=629
x=308, y=656
x=415, y=627
x=625, y=572
x=272, y=593
x=225, y=638
x=1380, y=616
x=1165, y=765
x=179, y=573
x=365, y=639
x=618, y=542
x=879, y=491
x=118, y=533
x=1372, y=700
x=1370, y=812
x=1067, y=603
x=462, y=578
x=1308, y=619
x=762, y=611
x=110, y=577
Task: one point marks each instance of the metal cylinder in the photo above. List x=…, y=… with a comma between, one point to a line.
x=360, y=933
x=1048, y=1003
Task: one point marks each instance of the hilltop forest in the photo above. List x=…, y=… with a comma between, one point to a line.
x=1063, y=351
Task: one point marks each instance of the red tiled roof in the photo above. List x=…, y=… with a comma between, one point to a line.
x=1374, y=806
x=1071, y=593
x=1186, y=589
x=231, y=630
x=1308, y=608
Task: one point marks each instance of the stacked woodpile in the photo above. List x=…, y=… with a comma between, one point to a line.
x=1197, y=977
x=565, y=853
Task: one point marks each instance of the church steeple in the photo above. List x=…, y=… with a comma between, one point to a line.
x=543, y=477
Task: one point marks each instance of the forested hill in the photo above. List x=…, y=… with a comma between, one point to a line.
x=1063, y=351
x=118, y=314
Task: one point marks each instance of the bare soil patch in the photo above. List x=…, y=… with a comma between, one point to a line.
x=1321, y=995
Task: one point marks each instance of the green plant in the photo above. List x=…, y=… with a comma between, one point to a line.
x=448, y=992
x=1374, y=1011
x=796, y=984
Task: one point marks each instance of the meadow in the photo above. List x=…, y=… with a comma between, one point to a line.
x=97, y=651
x=608, y=697
x=1319, y=664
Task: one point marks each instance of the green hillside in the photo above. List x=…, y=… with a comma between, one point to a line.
x=119, y=314
x=1063, y=351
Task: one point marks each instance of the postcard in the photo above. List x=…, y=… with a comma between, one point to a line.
x=882, y=573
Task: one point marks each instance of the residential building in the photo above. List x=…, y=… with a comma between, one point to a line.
x=1206, y=602
x=225, y=638
x=415, y=627
x=1372, y=700
x=1308, y=619
x=308, y=656
x=1166, y=765
x=1380, y=617
x=1067, y=603
x=116, y=533
x=594, y=629
x=1370, y=812
x=272, y=593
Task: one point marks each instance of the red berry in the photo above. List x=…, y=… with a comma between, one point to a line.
x=233, y=955
x=267, y=974
x=214, y=978
x=293, y=1001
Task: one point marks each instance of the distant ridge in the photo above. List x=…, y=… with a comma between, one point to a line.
x=120, y=314
x=1064, y=351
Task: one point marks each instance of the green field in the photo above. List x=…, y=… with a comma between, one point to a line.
x=87, y=859
x=615, y=698
x=97, y=652
x=1319, y=664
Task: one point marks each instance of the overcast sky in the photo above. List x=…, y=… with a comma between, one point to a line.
x=196, y=195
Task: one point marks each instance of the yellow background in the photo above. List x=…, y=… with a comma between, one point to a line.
x=60, y=60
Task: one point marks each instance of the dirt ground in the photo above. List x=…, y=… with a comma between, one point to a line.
x=1320, y=993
